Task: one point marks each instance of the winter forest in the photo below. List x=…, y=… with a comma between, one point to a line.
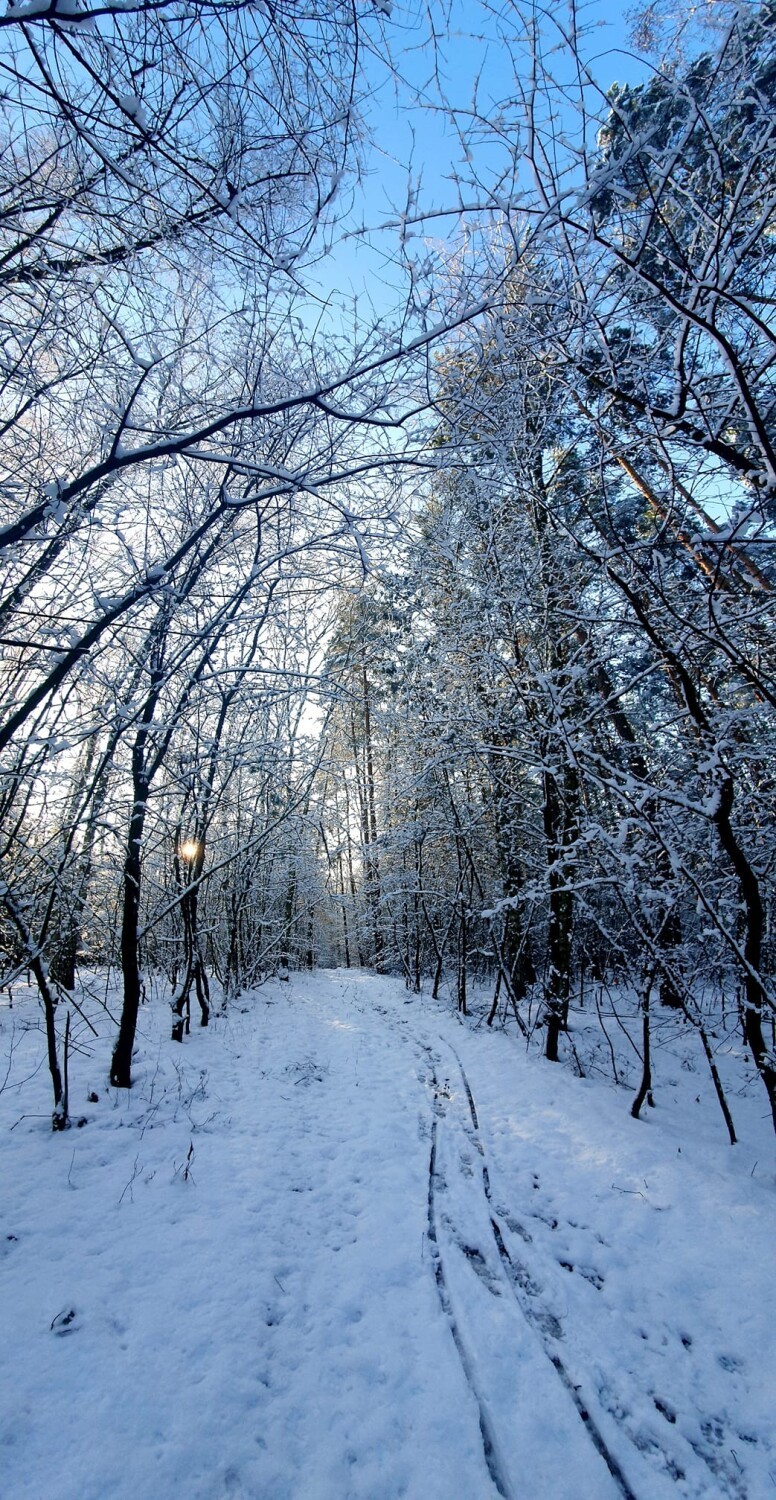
x=387, y=753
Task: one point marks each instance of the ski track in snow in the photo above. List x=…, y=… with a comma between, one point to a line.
x=341, y=1246
x=520, y=1281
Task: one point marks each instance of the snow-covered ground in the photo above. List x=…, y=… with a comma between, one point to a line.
x=341, y=1245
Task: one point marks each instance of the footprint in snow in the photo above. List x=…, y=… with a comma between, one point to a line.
x=515, y=1226
x=547, y=1323
x=713, y=1454
x=594, y=1277
x=713, y=1430
x=524, y=1280
x=651, y=1448
x=665, y=1410
x=479, y=1264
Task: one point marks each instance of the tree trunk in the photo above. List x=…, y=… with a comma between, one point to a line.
x=645, y=1087
x=754, y=996
x=559, y=817
x=121, y=1064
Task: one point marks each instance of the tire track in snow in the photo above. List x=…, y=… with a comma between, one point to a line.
x=542, y=1320
x=516, y=1275
x=526, y=1293
x=493, y=1458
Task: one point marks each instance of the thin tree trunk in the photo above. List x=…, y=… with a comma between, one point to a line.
x=462, y=957
x=645, y=1087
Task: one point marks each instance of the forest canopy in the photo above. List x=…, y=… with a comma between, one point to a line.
x=437, y=640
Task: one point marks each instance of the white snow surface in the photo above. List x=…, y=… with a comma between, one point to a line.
x=299, y=1260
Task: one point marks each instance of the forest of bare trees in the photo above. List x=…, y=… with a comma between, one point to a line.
x=440, y=642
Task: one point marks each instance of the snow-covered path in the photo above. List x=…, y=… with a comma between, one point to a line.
x=340, y=1246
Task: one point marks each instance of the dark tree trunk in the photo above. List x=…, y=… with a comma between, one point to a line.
x=559, y=816
x=645, y=1087
x=463, y=954
x=59, y=1119
x=194, y=971
x=64, y=960
x=121, y=1064
x=754, y=996
x=344, y=910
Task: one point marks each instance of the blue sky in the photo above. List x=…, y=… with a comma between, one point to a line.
x=414, y=141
